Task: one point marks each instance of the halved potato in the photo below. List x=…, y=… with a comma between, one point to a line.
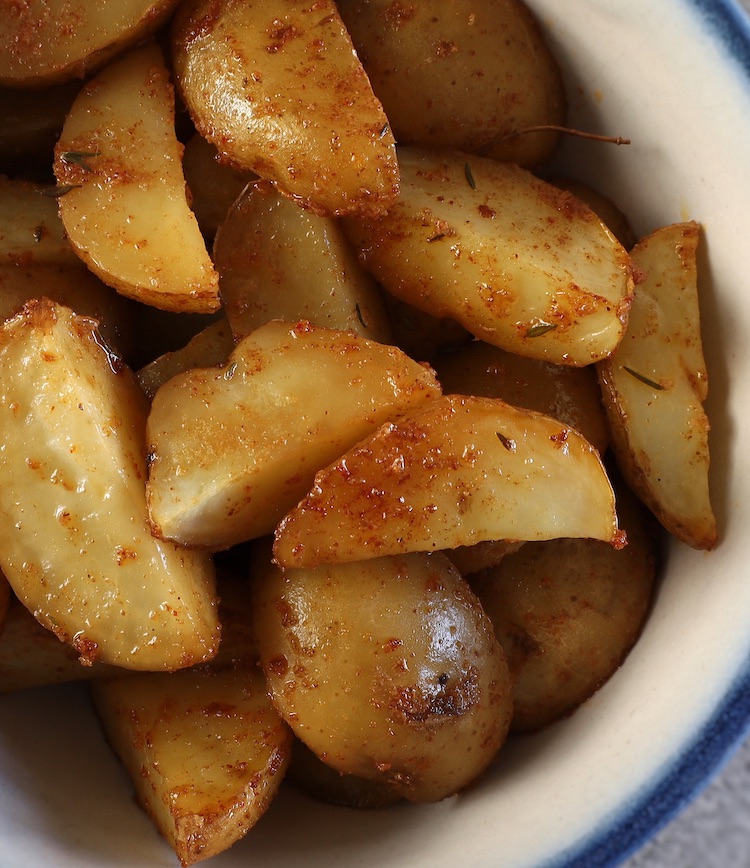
x=567, y=612
x=45, y=41
x=204, y=747
x=234, y=448
x=122, y=191
x=76, y=543
x=457, y=471
x=277, y=87
x=566, y=393
x=387, y=669
x=520, y=263
x=655, y=384
x=278, y=261
x=461, y=74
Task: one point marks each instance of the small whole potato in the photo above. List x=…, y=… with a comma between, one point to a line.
x=566, y=612
x=461, y=74
x=386, y=669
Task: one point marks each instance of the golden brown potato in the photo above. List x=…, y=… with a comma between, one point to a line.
x=123, y=197
x=45, y=41
x=77, y=546
x=461, y=74
x=278, y=261
x=518, y=262
x=457, y=471
x=326, y=784
x=213, y=186
x=234, y=448
x=410, y=689
x=205, y=750
x=277, y=87
x=209, y=347
x=654, y=387
x=566, y=613
x=569, y=394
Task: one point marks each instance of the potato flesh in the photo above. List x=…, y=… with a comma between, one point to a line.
x=234, y=448
x=518, y=262
x=127, y=214
x=496, y=74
x=654, y=387
x=204, y=748
x=76, y=543
x=44, y=41
x=278, y=261
x=305, y=118
x=456, y=472
x=410, y=690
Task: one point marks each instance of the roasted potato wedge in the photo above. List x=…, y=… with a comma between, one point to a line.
x=567, y=612
x=46, y=41
x=277, y=87
x=496, y=74
x=457, y=471
x=278, y=261
x=204, y=747
x=76, y=543
x=234, y=448
x=519, y=263
x=566, y=393
x=654, y=387
x=410, y=689
x=123, y=199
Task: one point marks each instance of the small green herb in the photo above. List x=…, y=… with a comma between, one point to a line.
x=540, y=329
x=57, y=192
x=437, y=237
x=38, y=233
x=230, y=371
x=78, y=158
x=358, y=309
x=384, y=130
x=470, y=176
x=644, y=379
x=509, y=444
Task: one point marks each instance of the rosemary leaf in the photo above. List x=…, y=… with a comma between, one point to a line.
x=507, y=442
x=470, y=176
x=358, y=309
x=57, y=192
x=540, y=329
x=644, y=379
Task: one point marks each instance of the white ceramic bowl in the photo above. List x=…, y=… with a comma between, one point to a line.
x=673, y=76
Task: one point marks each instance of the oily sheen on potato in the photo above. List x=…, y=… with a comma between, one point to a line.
x=655, y=384
x=122, y=190
x=279, y=261
x=233, y=448
x=410, y=689
x=76, y=544
x=519, y=263
x=278, y=88
x=46, y=41
x=457, y=471
x=496, y=74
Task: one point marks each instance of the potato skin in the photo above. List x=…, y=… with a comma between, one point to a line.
x=410, y=689
x=460, y=74
x=567, y=612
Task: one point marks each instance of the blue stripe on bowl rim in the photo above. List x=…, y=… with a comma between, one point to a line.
x=681, y=779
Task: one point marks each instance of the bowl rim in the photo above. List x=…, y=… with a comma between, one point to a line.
x=681, y=778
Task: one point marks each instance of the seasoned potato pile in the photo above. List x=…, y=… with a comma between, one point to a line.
x=340, y=435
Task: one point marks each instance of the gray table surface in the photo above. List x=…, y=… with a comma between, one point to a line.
x=713, y=831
